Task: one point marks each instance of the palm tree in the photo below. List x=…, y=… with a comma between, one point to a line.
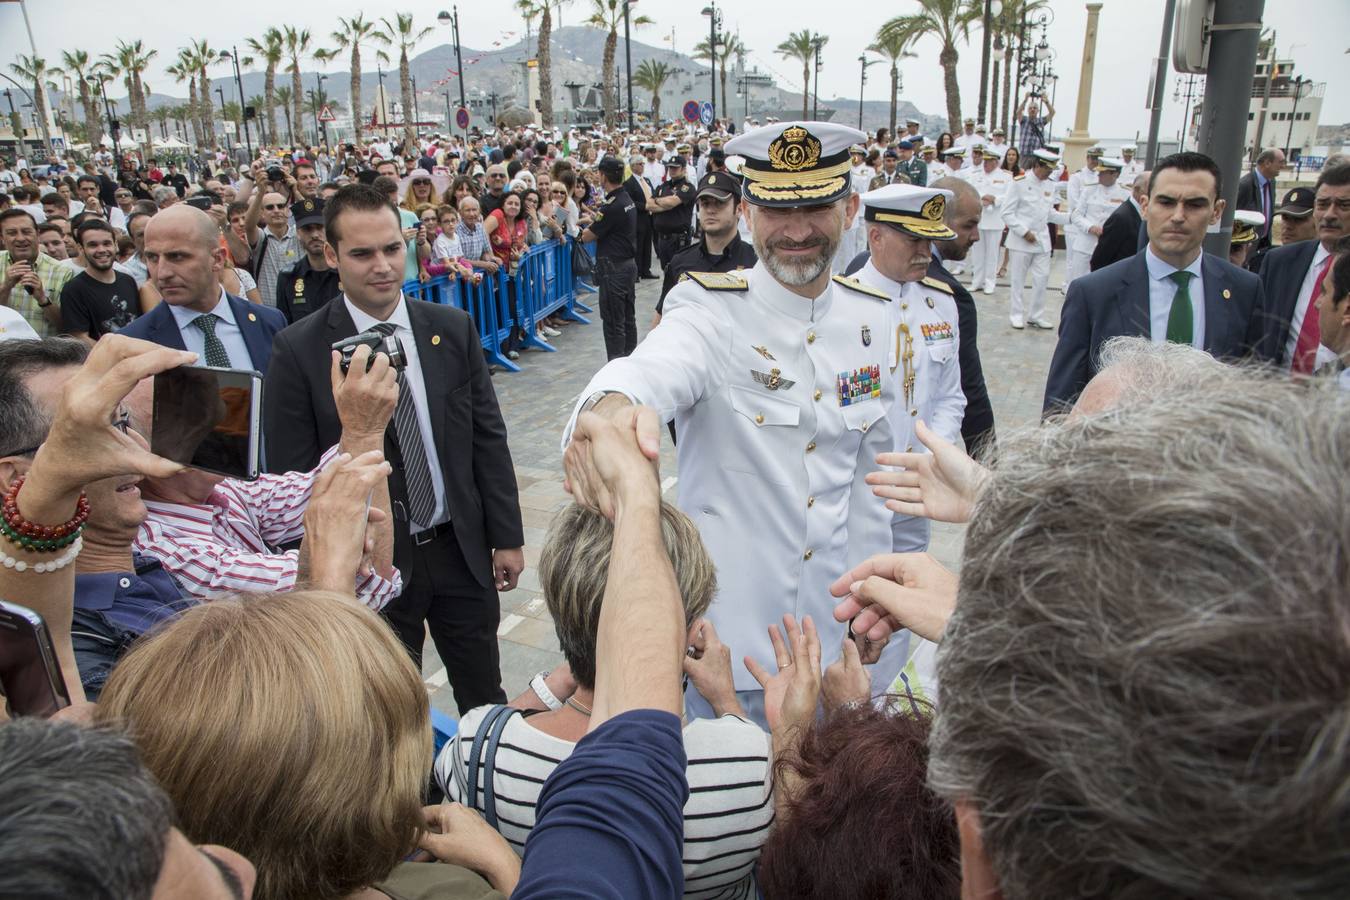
x=608, y=15
x=133, y=59
x=284, y=101
x=162, y=114
x=894, y=48
x=652, y=75
x=77, y=65
x=185, y=70
x=949, y=21
x=403, y=34
x=297, y=45
x=202, y=56
x=728, y=46
x=180, y=115
x=544, y=54
x=269, y=50
x=33, y=69
x=529, y=11
x=352, y=33
x=801, y=46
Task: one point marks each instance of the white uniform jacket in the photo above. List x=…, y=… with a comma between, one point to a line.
x=1028, y=208
x=781, y=406
x=996, y=184
x=925, y=370
x=1095, y=204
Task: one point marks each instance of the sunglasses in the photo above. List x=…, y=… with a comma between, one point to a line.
x=274, y=206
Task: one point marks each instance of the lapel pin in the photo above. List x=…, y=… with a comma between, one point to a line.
x=435, y=340
x=929, y=300
x=252, y=317
x=1227, y=293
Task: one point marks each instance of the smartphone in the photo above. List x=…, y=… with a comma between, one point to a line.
x=209, y=419
x=199, y=202
x=30, y=673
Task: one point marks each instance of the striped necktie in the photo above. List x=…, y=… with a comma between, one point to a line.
x=416, y=470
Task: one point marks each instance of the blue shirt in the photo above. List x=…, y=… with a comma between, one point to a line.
x=1161, y=290
x=227, y=329
x=611, y=816
x=136, y=601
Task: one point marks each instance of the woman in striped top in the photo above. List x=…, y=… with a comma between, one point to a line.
x=730, y=807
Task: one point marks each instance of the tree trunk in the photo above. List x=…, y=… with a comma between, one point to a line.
x=947, y=58
x=725, y=111
x=806, y=88
x=356, y=90
x=1007, y=89
x=545, y=56
x=40, y=111
x=270, y=101
x=208, y=109
x=607, y=77
x=993, y=101
x=406, y=93
x=93, y=123
x=297, y=102
x=656, y=107
x=290, y=129
x=144, y=115
x=193, y=117
x=895, y=93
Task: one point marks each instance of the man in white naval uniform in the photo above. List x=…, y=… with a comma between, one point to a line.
x=1133, y=168
x=902, y=222
x=1095, y=204
x=860, y=175
x=1028, y=208
x=992, y=181
x=777, y=380
x=1076, y=262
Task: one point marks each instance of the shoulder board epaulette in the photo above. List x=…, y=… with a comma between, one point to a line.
x=1019, y=177
x=938, y=284
x=720, y=281
x=857, y=285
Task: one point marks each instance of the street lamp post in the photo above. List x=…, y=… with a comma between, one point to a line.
x=239, y=85
x=220, y=92
x=713, y=19
x=862, y=86
x=322, y=101
x=113, y=128
x=1298, y=83
x=628, y=61
x=452, y=19
x=815, y=91
x=17, y=122
x=384, y=102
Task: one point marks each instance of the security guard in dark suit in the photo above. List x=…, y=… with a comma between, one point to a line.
x=720, y=249
x=309, y=284
x=672, y=211
x=614, y=229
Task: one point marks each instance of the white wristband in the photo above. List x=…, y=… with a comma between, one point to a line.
x=54, y=565
x=540, y=688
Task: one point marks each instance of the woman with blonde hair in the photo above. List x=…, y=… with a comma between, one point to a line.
x=420, y=191
x=294, y=729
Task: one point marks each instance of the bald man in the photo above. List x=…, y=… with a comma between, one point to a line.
x=184, y=255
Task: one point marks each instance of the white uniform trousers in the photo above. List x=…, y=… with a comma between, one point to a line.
x=985, y=259
x=1079, y=262
x=1018, y=263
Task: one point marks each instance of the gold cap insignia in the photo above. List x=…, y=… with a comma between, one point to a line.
x=935, y=208
x=794, y=150
x=309, y=206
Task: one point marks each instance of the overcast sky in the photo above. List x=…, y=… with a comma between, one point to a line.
x=1317, y=30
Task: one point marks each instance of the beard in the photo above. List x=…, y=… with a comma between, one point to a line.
x=797, y=272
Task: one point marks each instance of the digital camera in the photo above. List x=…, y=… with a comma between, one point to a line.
x=387, y=344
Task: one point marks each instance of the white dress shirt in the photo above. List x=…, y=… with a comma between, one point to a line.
x=227, y=329
x=412, y=377
x=1305, y=299
x=1162, y=289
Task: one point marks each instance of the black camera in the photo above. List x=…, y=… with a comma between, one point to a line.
x=275, y=175
x=387, y=344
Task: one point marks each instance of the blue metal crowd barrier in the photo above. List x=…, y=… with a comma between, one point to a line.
x=543, y=285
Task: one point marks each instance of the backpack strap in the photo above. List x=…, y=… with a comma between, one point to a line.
x=490, y=765
x=484, y=748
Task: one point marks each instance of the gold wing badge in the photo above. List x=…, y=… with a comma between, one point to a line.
x=773, y=379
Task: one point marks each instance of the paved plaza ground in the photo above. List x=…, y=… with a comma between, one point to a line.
x=538, y=400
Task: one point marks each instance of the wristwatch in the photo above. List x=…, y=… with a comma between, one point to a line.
x=541, y=690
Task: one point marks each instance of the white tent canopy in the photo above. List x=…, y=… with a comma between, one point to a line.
x=170, y=143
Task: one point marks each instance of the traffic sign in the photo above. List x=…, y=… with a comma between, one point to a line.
x=462, y=118
x=691, y=111
x=326, y=114
x=705, y=113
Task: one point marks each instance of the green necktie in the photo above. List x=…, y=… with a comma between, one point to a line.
x=1180, y=322
x=215, y=350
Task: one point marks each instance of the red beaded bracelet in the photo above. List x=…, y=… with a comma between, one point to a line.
x=15, y=520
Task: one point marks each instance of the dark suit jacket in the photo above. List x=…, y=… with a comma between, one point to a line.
x=257, y=323
x=1122, y=237
x=301, y=420
x=977, y=427
x=1249, y=197
x=1282, y=274
x=1112, y=302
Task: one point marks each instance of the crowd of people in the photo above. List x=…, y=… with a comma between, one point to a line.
x=1135, y=686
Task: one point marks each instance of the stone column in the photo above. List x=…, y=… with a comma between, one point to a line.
x=1078, y=141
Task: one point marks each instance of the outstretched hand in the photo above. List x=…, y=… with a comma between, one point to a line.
x=892, y=591
x=792, y=694
x=942, y=485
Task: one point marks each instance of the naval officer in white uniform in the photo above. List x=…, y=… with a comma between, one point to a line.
x=1028, y=208
x=902, y=221
x=777, y=380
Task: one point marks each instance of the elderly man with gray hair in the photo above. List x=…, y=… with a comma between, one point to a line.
x=1144, y=679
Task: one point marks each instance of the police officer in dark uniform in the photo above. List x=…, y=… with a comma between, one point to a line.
x=614, y=229
x=672, y=211
x=720, y=249
x=310, y=283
